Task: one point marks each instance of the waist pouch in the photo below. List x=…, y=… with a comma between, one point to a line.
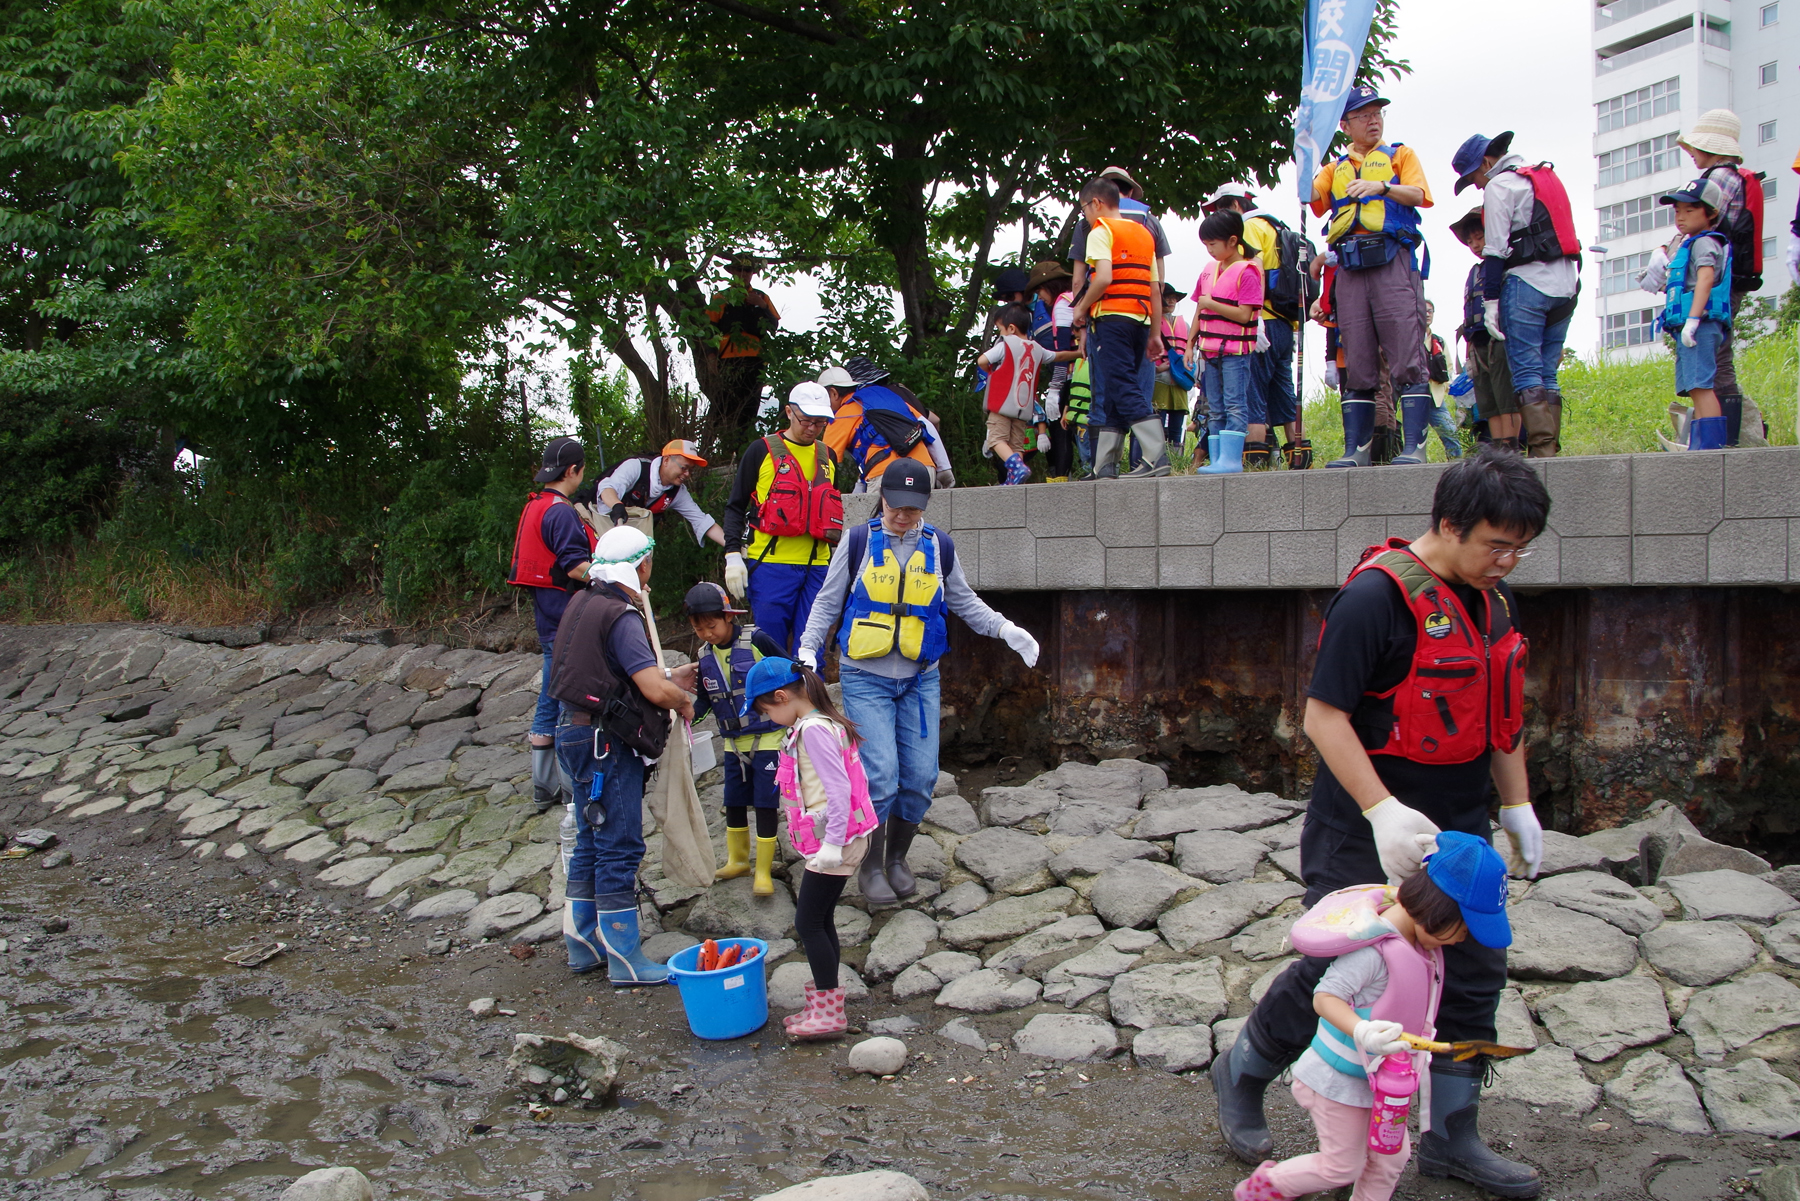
x=1365, y=252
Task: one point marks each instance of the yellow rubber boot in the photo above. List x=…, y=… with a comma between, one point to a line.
x=764, y=885
x=737, y=853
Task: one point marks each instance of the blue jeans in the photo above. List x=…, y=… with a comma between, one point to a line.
x=898, y=721
x=1533, y=349
x=1226, y=380
x=1121, y=371
x=607, y=856
x=781, y=597
x=1272, y=400
x=1445, y=425
x=543, y=720
x=1697, y=366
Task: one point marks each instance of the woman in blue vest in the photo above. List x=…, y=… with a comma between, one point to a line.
x=891, y=587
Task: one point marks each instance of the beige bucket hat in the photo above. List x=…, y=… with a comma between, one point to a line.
x=1715, y=132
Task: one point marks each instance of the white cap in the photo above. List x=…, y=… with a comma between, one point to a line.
x=836, y=377
x=618, y=553
x=1231, y=189
x=811, y=399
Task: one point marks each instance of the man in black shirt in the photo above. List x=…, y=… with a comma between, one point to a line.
x=1415, y=707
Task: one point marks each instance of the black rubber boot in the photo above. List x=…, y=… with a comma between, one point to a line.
x=871, y=874
x=899, y=841
x=1453, y=1146
x=1733, y=409
x=549, y=787
x=1239, y=1078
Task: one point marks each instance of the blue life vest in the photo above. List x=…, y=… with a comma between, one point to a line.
x=725, y=690
x=910, y=614
x=1337, y=1048
x=1680, y=299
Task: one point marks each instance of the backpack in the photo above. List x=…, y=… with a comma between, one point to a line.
x=1288, y=289
x=1745, y=231
x=795, y=506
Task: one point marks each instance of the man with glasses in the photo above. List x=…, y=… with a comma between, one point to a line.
x=1415, y=706
x=779, y=518
x=658, y=482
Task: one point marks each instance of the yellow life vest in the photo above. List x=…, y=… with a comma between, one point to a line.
x=1366, y=216
x=895, y=608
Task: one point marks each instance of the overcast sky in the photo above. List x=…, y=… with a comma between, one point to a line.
x=1525, y=66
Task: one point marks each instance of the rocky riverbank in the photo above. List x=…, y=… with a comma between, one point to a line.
x=367, y=804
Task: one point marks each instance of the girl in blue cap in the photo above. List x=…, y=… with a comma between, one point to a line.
x=826, y=797
x=1385, y=980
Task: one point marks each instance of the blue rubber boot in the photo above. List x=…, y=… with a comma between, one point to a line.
x=1231, y=455
x=1707, y=433
x=618, y=928
x=578, y=935
x=1359, y=431
x=1212, y=448
x=1415, y=426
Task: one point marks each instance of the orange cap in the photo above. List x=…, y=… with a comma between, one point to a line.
x=684, y=448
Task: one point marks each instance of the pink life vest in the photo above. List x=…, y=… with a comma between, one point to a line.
x=1349, y=919
x=1221, y=335
x=806, y=831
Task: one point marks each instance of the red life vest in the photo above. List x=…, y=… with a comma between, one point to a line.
x=1464, y=694
x=1550, y=234
x=797, y=507
x=533, y=562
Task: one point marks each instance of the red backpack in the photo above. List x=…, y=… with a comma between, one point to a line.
x=796, y=506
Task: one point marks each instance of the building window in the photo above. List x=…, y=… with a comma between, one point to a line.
x=1634, y=328
x=1620, y=274
x=1769, y=188
x=1765, y=133
x=1638, y=159
x=1634, y=217
x=1771, y=13
x=1768, y=250
x=1659, y=99
x=1768, y=74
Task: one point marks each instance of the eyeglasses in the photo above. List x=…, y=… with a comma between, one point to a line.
x=1511, y=552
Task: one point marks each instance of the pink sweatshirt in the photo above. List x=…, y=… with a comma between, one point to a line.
x=823, y=773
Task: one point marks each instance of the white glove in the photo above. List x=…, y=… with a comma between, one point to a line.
x=1331, y=375
x=1379, y=1038
x=1490, y=317
x=829, y=855
x=1793, y=260
x=807, y=658
x=1655, y=277
x=1687, y=331
x=737, y=576
x=1262, y=338
x=1403, y=837
x=1020, y=641
x=1527, y=837
x=946, y=478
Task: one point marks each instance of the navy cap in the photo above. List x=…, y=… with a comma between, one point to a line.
x=1361, y=96
x=906, y=484
x=768, y=675
x=560, y=454
x=1700, y=191
x=1013, y=279
x=707, y=597
x=1472, y=874
x=1467, y=159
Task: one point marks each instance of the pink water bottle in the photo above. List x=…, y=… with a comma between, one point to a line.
x=1393, y=1084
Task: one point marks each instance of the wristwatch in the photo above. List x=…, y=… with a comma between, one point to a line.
x=1386, y=187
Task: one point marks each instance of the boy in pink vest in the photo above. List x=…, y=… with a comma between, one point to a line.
x=1386, y=980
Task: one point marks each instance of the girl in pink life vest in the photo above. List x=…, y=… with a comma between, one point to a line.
x=1387, y=978
x=826, y=798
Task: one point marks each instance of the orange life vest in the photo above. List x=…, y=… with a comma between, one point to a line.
x=1133, y=261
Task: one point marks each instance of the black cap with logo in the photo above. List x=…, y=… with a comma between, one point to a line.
x=707, y=597
x=906, y=484
x=560, y=454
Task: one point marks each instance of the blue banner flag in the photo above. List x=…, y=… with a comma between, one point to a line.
x=1335, y=33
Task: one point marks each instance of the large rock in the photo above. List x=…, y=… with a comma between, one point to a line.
x=330, y=1184
x=1678, y=852
x=1698, y=953
x=1080, y=819
x=729, y=910
x=1172, y=813
x=1512, y=1021
x=954, y=814
x=1058, y=936
x=1111, y=781
x=1137, y=892
x=862, y=1186
x=1174, y=1048
x=1599, y=1018
x=1012, y=806
x=1265, y=939
x=1169, y=994
x=1553, y=943
x=1783, y=940
x=1722, y=1019
x=496, y=915
x=1752, y=1097
x=1653, y=1089
x=1091, y=856
x=351, y=872
x=352, y=781
x=989, y=991
x=933, y=972
x=588, y=1068
x=962, y=899
x=402, y=874
x=1728, y=894
x=454, y=903
x=1068, y=1036
x=422, y=836
x=787, y=984
x=878, y=1056
x=1562, y=853
x=287, y=833
x=1600, y=895
x=1079, y=977
x=1008, y=917
x=1550, y=1075
x=1011, y=862
x=901, y=943
x=1219, y=856
x=1222, y=912
x=417, y=776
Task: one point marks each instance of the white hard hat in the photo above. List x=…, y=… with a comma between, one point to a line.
x=811, y=399
x=618, y=553
x=1228, y=190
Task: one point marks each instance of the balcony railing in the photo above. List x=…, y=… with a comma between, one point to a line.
x=1649, y=50
x=1623, y=10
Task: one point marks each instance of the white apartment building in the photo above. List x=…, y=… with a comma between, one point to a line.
x=1659, y=64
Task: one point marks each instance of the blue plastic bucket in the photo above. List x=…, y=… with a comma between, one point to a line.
x=726, y=1002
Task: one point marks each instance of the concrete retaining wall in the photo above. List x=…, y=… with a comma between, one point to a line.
x=1651, y=520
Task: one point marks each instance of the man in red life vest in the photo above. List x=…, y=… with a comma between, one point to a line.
x=551, y=551
x=1531, y=275
x=1415, y=708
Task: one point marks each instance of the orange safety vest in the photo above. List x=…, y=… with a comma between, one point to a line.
x=1133, y=259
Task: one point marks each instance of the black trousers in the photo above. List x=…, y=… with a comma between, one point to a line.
x=1282, y=1025
x=815, y=921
